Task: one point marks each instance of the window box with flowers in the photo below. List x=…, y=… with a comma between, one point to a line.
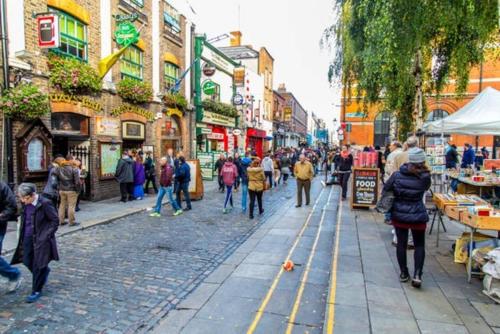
x=72, y=76
x=175, y=100
x=220, y=108
x=135, y=91
x=24, y=102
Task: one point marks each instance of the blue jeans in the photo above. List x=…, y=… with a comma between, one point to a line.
x=184, y=187
x=161, y=194
x=229, y=196
x=6, y=270
x=244, y=195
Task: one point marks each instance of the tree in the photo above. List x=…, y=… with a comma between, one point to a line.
x=397, y=51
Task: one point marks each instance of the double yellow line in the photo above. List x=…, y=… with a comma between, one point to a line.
x=267, y=298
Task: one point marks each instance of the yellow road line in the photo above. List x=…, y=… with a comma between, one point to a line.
x=330, y=322
x=300, y=292
x=263, y=305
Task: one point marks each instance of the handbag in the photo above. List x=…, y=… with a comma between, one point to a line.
x=385, y=202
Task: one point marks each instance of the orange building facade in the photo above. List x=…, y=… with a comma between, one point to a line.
x=378, y=128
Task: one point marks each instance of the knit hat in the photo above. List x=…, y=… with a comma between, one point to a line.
x=416, y=155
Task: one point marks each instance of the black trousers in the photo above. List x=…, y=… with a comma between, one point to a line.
x=269, y=176
x=150, y=179
x=419, y=254
x=40, y=275
x=127, y=191
x=344, y=182
x=222, y=186
x=253, y=195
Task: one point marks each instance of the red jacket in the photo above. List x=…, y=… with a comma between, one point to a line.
x=229, y=173
x=166, y=176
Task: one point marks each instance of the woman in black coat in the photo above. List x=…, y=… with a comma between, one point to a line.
x=343, y=164
x=37, y=241
x=408, y=211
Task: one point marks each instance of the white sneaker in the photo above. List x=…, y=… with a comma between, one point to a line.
x=14, y=285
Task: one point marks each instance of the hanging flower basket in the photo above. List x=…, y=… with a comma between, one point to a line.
x=135, y=91
x=73, y=76
x=24, y=102
x=220, y=108
x=175, y=100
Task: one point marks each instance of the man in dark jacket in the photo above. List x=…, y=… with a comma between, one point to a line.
x=468, y=157
x=183, y=177
x=69, y=187
x=451, y=157
x=37, y=241
x=218, y=167
x=125, y=176
x=237, y=162
x=8, y=209
x=149, y=170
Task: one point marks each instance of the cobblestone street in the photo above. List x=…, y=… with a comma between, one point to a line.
x=126, y=275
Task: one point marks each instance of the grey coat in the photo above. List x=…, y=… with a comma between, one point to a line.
x=125, y=170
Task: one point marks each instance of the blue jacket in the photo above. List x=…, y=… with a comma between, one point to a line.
x=183, y=173
x=468, y=158
x=409, y=189
x=245, y=163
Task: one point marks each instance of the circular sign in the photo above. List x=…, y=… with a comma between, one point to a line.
x=209, y=87
x=238, y=99
x=208, y=70
x=126, y=33
x=340, y=132
x=236, y=132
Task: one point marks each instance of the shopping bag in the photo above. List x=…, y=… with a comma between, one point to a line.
x=384, y=204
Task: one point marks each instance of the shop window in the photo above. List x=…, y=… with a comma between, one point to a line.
x=69, y=124
x=73, y=34
x=437, y=114
x=171, y=75
x=132, y=63
x=172, y=19
x=138, y=3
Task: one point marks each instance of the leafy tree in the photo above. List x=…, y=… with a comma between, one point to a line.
x=397, y=51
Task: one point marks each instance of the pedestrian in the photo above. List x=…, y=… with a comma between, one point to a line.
x=380, y=159
x=344, y=167
x=277, y=170
x=304, y=173
x=183, y=177
x=218, y=167
x=256, y=182
x=395, y=149
x=409, y=212
x=51, y=191
x=229, y=173
x=8, y=210
x=268, y=166
x=285, y=167
x=451, y=156
x=125, y=176
x=237, y=163
x=82, y=174
x=166, y=188
x=139, y=178
x=149, y=170
x=468, y=156
x=37, y=241
x=68, y=183
x=245, y=163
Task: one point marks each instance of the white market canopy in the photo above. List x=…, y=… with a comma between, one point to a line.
x=481, y=116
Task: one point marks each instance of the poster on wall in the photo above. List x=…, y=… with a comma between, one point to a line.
x=206, y=165
x=364, y=187
x=107, y=126
x=109, y=154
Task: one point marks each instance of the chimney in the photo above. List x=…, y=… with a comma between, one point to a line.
x=235, y=38
x=282, y=88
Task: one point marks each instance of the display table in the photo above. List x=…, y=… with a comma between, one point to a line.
x=487, y=183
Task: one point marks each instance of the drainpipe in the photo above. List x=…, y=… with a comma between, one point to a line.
x=8, y=121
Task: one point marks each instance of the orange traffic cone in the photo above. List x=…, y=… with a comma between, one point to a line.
x=288, y=265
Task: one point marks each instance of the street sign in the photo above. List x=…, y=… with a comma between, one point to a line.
x=341, y=137
x=126, y=33
x=238, y=99
x=48, y=31
x=236, y=132
x=209, y=87
x=340, y=132
x=208, y=70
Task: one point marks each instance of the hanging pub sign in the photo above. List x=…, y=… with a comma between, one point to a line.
x=208, y=70
x=126, y=33
x=48, y=31
x=209, y=87
x=364, y=187
x=238, y=99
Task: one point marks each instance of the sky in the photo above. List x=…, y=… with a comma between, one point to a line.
x=291, y=31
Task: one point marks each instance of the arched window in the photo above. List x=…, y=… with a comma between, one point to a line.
x=437, y=114
x=382, y=129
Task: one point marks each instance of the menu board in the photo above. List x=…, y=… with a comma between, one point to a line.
x=108, y=159
x=364, y=187
x=206, y=165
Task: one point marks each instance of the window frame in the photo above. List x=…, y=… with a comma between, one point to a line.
x=174, y=27
x=138, y=3
x=65, y=16
x=133, y=63
x=166, y=77
x=436, y=115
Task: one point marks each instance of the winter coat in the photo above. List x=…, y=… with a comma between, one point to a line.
x=149, y=167
x=245, y=163
x=229, y=173
x=8, y=207
x=409, y=189
x=344, y=164
x=468, y=158
x=166, y=175
x=267, y=164
x=451, y=158
x=125, y=170
x=183, y=173
x=256, y=178
x=68, y=177
x=285, y=162
x=45, y=223
x=50, y=188
x=218, y=165
x=139, y=174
